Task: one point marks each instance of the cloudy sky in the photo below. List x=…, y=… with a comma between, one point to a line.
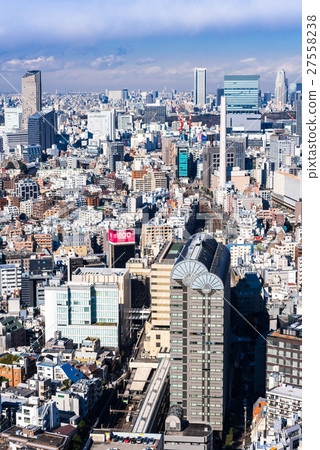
x=91, y=45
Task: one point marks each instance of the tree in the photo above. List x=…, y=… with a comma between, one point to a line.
x=76, y=442
x=229, y=438
x=23, y=167
x=10, y=165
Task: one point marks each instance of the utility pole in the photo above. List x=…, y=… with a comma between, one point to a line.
x=245, y=423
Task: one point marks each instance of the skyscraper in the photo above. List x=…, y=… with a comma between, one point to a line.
x=200, y=86
x=223, y=147
x=199, y=330
x=31, y=95
x=242, y=93
x=281, y=90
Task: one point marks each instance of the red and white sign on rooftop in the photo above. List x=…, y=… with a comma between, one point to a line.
x=121, y=236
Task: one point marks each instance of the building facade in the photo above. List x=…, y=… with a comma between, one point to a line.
x=199, y=330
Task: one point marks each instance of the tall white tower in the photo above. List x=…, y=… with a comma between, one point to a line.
x=281, y=90
x=200, y=86
x=223, y=146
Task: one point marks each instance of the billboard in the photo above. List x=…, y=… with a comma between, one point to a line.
x=122, y=236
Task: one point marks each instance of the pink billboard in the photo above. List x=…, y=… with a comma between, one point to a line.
x=121, y=236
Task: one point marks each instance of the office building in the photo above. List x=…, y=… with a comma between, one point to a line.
x=102, y=124
x=223, y=144
x=242, y=93
x=12, y=118
x=31, y=153
x=115, y=152
x=211, y=161
x=119, y=246
x=182, y=160
x=94, y=304
x=280, y=145
x=200, y=86
x=220, y=93
x=41, y=128
x=199, y=330
x=299, y=115
x=155, y=113
x=168, y=150
x=281, y=90
x=284, y=349
x=31, y=95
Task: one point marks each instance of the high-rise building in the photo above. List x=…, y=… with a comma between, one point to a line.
x=199, y=330
x=41, y=126
x=155, y=113
x=115, y=152
x=31, y=95
x=220, y=92
x=281, y=90
x=182, y=160
x=242, y=93
x=223, y=143
x=102, y=124
x=200, y=86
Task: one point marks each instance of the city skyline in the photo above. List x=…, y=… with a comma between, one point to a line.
x=141, y=48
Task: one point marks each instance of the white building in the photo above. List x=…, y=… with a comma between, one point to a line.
x=102, y=124
x=37, y=413
x=200, y=86
x=94, y=304
x=90, y=216
x=10, y=278
x=12, y=118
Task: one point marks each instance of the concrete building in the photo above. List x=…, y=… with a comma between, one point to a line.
x=37, y=413
x=94, y=304
x=31, y=95
x=199, y=330
x=102, y=124
x=10, y=278
x=182, y=435
x=12, y=118
x=284, y=350
x=27, y=189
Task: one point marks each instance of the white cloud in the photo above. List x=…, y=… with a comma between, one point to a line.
x=65, y=21
x=107, y=62
x=143, y=61
x=41, y=62
x=247, y=60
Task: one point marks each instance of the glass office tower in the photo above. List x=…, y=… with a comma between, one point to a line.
x=242, y=93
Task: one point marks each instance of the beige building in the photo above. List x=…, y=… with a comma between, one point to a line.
x=153, y=235
x=150, y=181
x=157, y=333
x=31, y=95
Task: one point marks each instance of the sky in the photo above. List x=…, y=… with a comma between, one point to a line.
x=93, y=45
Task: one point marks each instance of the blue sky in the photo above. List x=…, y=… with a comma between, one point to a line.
x=91, y=45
